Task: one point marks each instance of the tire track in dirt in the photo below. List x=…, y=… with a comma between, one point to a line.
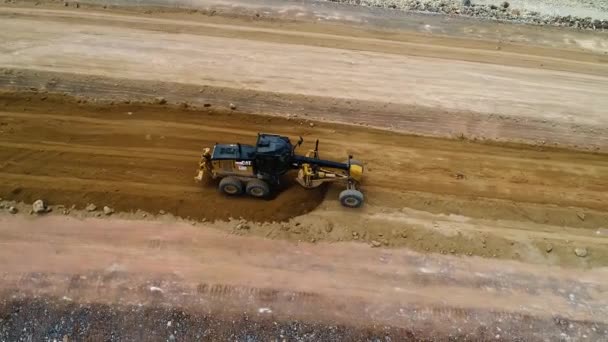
x=402, y=43
x=503, y=112
x=49, y=146
x=79, y=153
x=159, y=145
x=394, y=288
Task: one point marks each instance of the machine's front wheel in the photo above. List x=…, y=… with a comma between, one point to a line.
x=258, y=188
x=351, y=198
x=231, y=186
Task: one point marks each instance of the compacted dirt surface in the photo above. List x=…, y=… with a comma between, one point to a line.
x=175, y=273
x=500, y=232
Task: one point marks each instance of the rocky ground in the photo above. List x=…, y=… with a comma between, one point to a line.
x=502, y=11
x=58, y=319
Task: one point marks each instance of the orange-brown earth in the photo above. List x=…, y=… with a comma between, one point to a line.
x=77, y=127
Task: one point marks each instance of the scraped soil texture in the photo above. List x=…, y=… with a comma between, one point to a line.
x=431, y=195
x=74, y=154
x=144, y=156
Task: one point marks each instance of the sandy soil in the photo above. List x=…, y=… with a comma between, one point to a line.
x=518, y=86
x=131, y=263
x=78, y=125
x=427, y=194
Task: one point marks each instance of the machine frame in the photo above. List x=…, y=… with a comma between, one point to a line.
x=255, y=170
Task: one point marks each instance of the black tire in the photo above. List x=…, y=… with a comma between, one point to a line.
x=258, y=188
x=231, y=186
x=351, y=198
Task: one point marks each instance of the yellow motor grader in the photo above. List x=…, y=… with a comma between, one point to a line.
x=255, y=169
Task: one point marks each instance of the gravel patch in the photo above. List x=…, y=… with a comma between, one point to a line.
x=62, y=319
x=543, y=13
x=596, y=9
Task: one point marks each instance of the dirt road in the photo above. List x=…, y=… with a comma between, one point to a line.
x=427, y=194
x=131, y=263
x=113, y=107
x=499, y=85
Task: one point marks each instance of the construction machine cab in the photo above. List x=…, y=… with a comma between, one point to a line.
x=273, y=155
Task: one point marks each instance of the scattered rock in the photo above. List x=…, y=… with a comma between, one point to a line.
x=156, y=289
x=232, y=106
x=466, y=3
x=160, y=100
x=206, y=105
x=162, y=212
x=39, y=207
x=549, y=248
x=242, y=226
x=506, y=4
x=312, y=124
x=459, y=175
x=13, y=210
x=581, y=252
x=107, y=210
x=91, y=207
x=376, y=243
x=581, y=216
x=329, y=227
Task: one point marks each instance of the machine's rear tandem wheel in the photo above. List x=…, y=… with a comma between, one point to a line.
x=255, y=169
